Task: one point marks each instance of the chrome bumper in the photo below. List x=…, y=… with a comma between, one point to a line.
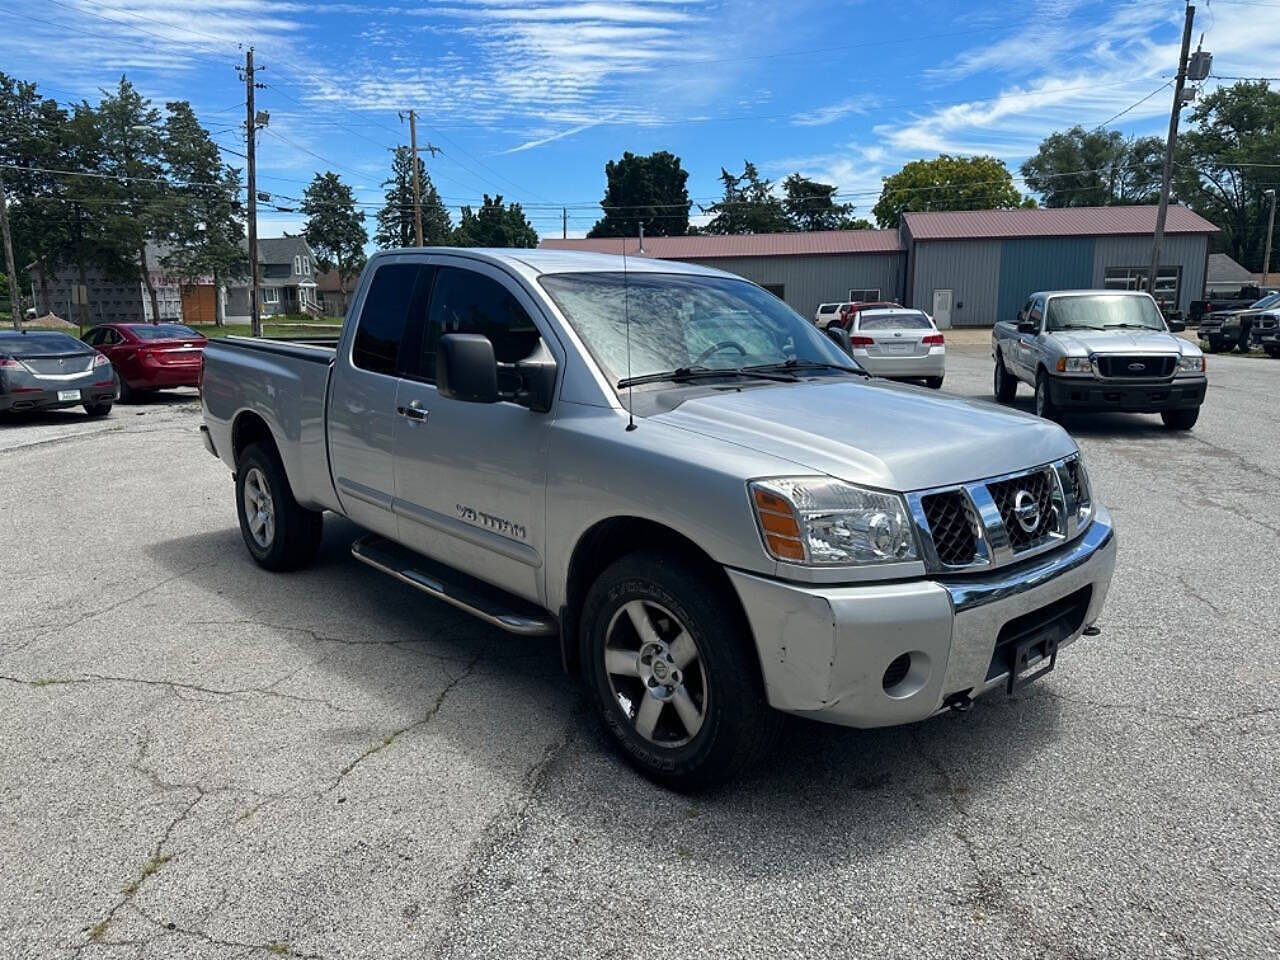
x=824, y=650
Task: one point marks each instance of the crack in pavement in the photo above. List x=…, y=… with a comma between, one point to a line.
x=165, y=929
x=322, y=638
x=1198, y=722
x=174, y=685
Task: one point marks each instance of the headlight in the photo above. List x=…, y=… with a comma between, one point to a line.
x=1075, y=365
x=1189, y=365
x=1081, y=491
x=819, y=521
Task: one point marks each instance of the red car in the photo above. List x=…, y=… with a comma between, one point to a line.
x=847, y=314
x=148, y=356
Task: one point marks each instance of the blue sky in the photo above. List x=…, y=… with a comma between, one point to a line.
x=530, y=98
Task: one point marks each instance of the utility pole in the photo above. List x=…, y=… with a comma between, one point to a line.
x=1266, y=257
x=15, y=291
x=564, y=223
x=417, y=186
x=81, y=300
x=250, y=135
x=1163, y=211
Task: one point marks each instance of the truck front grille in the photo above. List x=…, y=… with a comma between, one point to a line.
x=1014, y=498
x=1131, y=367
x=953, y=526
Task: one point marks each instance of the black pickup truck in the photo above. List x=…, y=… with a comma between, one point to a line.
x=1231, y=329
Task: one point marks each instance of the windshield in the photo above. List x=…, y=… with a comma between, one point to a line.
x=681, y=321
x=894, y=321
x=34, y=344
x=1270, y=300
x=1103, y=312
x=162, y=331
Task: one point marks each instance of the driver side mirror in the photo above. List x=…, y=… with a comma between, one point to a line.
x=1028, y=326
x=1176, y=326
x=466, y=369
x=841, y=338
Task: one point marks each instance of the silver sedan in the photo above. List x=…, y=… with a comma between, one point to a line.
x=899, y=343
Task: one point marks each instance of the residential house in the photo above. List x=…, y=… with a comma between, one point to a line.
x=333, y=301
x=286, y=280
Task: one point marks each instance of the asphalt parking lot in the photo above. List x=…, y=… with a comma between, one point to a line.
x=204, y=760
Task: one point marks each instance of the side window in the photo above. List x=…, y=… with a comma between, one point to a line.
x=93, y=337
x=1037, y=313
x=467, y=302
x=396, y=290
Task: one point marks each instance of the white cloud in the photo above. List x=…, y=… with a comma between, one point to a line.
x=549, y=138
x=822, y=116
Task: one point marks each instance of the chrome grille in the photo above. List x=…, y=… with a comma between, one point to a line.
x=1125, y=366
x=1008, y=496
x=56, y=365
x=953, y=526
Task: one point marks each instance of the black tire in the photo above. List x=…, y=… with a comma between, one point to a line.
x=1045, y=407
x=737, y=725
x=1183, y=419
x=1213, y=345
x=1272, y=351
x=933, y=383
x=1243, y=343
x=127, y=393
x=97, y=409
x=1005, y=386
x=292, y=538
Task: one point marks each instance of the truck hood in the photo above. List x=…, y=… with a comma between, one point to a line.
x=1085, y=342
x=875, y=432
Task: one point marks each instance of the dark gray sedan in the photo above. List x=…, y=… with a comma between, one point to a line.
x=45, y=370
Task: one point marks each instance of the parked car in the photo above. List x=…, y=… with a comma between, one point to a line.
x=1265, y=332
x=850, y=311
x=47, y=370
x=149, y=357
x=899, y=343
x=1227, y=302
x=1233, y=329
x=1099, y=350
x=829, y=313
x=718, y=514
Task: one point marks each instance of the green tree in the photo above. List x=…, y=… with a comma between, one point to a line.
x=495, y=224
x=946, y=183
x=1095, y=168
x=748, y=205
x=395, y=219
x=129, y=144
x=335, y=226
x=1226, y=162
x=811, y=205
x=644, y=190
x=202, y=226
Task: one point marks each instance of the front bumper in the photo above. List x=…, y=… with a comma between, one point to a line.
x=824, y=651
x=1086, y=393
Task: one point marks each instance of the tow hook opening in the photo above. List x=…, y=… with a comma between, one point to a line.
x=1092, y=630
x=959, y=702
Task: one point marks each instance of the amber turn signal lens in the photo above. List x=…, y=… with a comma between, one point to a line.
x=771, y=501
x=779, y=524
x=784, y=548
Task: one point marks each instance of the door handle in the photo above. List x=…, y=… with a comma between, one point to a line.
x=413, y=411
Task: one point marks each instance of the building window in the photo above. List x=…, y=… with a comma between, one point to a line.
x=776, y=289
x=270, y=294
x=1168, y=283
x=869, y=295
x=306, y=266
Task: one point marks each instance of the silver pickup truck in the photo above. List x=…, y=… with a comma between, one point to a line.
x=719, y=516
x=1099, y=350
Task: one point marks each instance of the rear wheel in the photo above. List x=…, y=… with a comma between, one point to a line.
x=280, y=533
x=97, y=409
x=670, y=667
x=127, y=393
x=1180, y=419
x=933, y=383
x=1273, y=350
x=1045, y=407
x=1006, y=387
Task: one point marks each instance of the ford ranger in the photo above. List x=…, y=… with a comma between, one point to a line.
x=1099, y=350
x=716, y=512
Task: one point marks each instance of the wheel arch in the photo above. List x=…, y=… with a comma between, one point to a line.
x=611, y=539
x=248, y=428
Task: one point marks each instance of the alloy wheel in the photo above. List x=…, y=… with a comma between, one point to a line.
x=259, y=508
x=656, y=674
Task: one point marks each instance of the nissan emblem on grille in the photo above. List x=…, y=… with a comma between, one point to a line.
x=1027, y=511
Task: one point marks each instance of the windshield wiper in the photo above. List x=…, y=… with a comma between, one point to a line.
x=1127, y=326
x=795, y=364
x=689, y=374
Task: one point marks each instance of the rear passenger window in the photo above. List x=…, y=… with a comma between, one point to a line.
x=397, y=291
x=467, y=302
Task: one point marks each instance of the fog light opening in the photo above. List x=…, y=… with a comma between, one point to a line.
x=906, y=674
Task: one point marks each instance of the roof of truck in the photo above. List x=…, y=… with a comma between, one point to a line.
x=536, y=261
x=1094, y=292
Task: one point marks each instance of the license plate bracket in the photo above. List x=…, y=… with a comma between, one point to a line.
x=1021, y=671
x=64, y=395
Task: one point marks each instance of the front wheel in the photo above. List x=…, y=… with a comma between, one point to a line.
x=1273, y=351
x=1180, y=419
x=1213, y=345
x=669, y=663
x=1005, y=386
x=1045, y=407
x=279, y=532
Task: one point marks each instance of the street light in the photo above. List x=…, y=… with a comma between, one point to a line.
x=1271, y=225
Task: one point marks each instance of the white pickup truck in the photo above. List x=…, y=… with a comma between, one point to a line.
x=719, y=515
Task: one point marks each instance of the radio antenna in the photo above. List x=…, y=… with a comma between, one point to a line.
x=626, y=314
